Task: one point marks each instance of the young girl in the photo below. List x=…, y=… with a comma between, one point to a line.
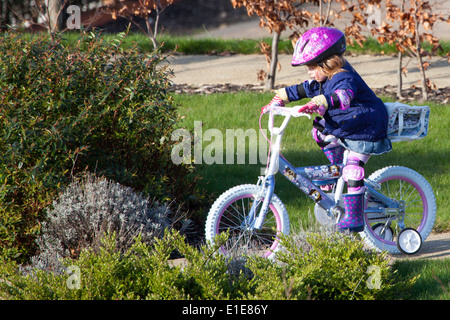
x=351, y=112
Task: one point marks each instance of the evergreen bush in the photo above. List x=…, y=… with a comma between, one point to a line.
x=326, y=265
x=330, y=266
x=143, y=271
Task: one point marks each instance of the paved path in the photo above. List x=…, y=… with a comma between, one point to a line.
x=436, y=246
x=242, y=69
x=377, y=71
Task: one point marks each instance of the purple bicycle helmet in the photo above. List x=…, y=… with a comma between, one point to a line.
x=317, y=44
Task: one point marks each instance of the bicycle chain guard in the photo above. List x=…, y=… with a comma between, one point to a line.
x=322, y=217
x=328, y=219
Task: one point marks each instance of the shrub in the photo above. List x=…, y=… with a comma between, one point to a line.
x=88, y=107
x=325, y=265
x=90, y=208
x=329, y=266
x=141, y=272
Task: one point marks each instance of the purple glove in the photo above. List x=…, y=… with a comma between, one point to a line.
x=275, y=102
x=317, y=104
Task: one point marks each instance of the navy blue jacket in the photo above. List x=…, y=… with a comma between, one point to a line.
x=366, y=118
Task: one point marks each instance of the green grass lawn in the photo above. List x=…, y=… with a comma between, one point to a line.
x=241, y=111
x=191, y=45
x=433, y=281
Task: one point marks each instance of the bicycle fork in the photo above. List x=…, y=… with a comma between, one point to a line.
x=268, y=181
x=257, y=214
x=266, y=192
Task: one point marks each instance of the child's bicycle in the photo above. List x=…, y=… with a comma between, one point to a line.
x=400, y=206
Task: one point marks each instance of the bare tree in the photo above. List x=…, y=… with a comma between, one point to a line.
x=54, y=17
x=407, y=27
x=143, y=9
x=281, y=15
x=275, y=15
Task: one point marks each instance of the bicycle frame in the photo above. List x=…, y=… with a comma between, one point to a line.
x=303, y=177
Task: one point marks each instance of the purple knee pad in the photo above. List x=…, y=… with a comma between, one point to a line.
x=353, y=174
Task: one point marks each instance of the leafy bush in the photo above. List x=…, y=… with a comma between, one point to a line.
x=91, y=107
x=325, y=266
x=318, y=266
x=142, y=272
x=90, y=208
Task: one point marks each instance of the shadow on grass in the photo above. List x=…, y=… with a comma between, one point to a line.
x=433, y=282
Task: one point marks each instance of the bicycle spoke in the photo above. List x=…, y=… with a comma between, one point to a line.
x=401, y=191
x=235, y=219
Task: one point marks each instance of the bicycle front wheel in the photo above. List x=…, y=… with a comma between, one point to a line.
x=230, y=213
x=417, y=208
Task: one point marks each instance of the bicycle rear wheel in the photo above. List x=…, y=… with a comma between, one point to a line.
x=417, y=208
x=230, y=212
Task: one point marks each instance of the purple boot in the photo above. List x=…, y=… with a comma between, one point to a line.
x=353, y=217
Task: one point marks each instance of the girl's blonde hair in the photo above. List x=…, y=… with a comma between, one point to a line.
x=330, y=66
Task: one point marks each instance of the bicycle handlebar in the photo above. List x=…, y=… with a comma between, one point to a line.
x=287, y=113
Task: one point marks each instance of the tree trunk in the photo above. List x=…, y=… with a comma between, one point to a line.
x=4, y=13
x=419, y=56
x=400, y=76
x=54, y=16
x=422, y=73
x=151, y=35
x=270, y=84
x=400, y=63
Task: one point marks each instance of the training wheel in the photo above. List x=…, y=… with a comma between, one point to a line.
x=409, y=241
